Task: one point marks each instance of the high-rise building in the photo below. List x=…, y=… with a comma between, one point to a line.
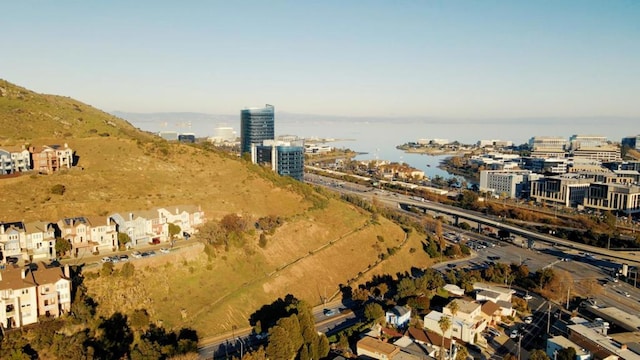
x=632, y=142
x=256, y=125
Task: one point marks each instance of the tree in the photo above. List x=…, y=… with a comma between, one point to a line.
x=406, y=288
x=123, y=239
x=462, y=353
x=538, y=354
x=107, y=269
x=453, y=307
x=566, y=354
x=139, y=319
x=280, y=345
x=62, y=246
x=174, y=230
x=373, y=311
x=444, y=323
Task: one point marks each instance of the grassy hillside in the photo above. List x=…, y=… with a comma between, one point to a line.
x=26, y=115
x=324, y=242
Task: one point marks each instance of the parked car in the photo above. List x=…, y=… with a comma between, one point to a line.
x=106, y=259
x=330, y=312
x=514, y=333
x=12, y=260
x=124, y=257
x=493, y=331
x=136, y=254
x=527, y=297
x=164, y=250
x=528, y=320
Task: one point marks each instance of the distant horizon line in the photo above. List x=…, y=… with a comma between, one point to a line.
x=433, y=117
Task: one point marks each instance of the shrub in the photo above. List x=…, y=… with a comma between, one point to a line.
x=58, y=189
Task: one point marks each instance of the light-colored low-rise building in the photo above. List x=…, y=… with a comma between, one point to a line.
x=53, y=288
x=558, y=343
x=376, y=349
x=18, y=299
x=398, y=316
x=40, y=240
x=12, y=238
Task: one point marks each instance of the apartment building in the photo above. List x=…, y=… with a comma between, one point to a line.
x=18, y=299
x=566, y=190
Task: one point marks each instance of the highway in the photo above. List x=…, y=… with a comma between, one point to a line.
x=396, y=199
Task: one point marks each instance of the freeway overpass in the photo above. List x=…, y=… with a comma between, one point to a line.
x=626, y=257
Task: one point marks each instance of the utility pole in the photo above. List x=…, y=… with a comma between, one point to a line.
x=568, y=294
x=519, y=345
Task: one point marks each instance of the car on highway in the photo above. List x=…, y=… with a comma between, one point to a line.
x=626, y=294
x=527, y=297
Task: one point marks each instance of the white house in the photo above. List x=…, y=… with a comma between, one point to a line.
x=40, y=240
x=503, y=293
x=558, y=343
x=398, y=316
x=467, y=322
x=12, y=237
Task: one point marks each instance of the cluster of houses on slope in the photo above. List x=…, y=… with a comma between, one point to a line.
x=27, y=293
x=36, y=240
x=43, y=159
x=471, y=318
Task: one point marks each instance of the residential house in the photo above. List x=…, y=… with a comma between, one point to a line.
x=504, y=293
x=53, y=288
x=376, y=349
x=141, y=226
x=77, y=232
x=102, y=233
x=187, y=217
x=431, y=340
x=40, y=240
x=398, y=316
x=51, y=158
x=18, y=299
x=467, y=322
x=14, y=160
x=492, y=313
x=12, y=239
x=454, y=289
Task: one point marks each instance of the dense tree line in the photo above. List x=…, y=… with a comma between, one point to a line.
x=81, y=335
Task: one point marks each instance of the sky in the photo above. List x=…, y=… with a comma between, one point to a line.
x=458, y=59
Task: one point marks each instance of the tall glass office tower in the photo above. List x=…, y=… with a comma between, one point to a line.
x=256, y=124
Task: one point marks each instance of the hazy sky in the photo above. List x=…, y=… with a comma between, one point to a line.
x=385, y=58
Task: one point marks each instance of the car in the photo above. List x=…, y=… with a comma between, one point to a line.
x=493, y=331
x=145, y=254
x=514, y=333
x=329, y=312
x=626, y=294
x=151, y=253
x=451, y=266
x=527, y=297
x=164, y=250
x=106, y=259
x=136, y=254
x=528, y=320
x=123, y=257
x=114, y=259
x=12, y=260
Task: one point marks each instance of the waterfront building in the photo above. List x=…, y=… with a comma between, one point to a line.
x=285, y=157
x=545, y=166
x=256, y=125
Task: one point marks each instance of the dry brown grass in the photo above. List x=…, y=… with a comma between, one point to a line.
x=310, y=255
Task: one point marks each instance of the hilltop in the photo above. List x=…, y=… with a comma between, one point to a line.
x=323, y=242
